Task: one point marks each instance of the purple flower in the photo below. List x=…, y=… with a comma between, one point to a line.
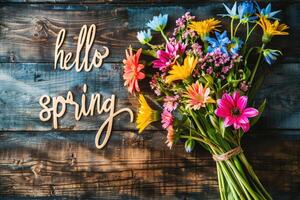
x=197, y=49
x=167, y=58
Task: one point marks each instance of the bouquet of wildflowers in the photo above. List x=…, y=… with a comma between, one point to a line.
x=203, y=85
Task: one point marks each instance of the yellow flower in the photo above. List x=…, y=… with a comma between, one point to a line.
x=145, y=115
x=203, y=28
x=182, y=72
x=271, y=29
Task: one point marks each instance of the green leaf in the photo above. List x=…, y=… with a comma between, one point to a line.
x=222, y=127
x=209, y=79
x=255, y=87
x=149, y=53
x=214, y=122
x=261, y=109
x=247, y=73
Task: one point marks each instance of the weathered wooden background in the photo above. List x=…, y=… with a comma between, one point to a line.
x=37, y=162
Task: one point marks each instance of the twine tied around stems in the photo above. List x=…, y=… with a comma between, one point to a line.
x=227, y=155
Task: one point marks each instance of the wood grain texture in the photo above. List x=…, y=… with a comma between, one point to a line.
x=37, y=162
x=57, y=164
x=23, y=83
x=130, y=1
x=28, y=31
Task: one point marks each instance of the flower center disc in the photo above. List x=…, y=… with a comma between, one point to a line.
x=235, y=112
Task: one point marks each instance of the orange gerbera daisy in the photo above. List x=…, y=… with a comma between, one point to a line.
x=204, y=27
x=198, y=96
x=132, y=70
x=170, y=137
x=270, y=29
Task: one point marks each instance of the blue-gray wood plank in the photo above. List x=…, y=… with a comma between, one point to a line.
x=28, y=31
x=23, y=83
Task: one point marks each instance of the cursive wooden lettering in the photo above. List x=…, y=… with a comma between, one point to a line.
x=85, y=41
x=60, y=104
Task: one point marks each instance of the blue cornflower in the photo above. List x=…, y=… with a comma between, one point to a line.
x=158, y=23
x=266, y=12
x=270, y=55
x=189, y=145
x=144, y=37
x=246, y=12
x=231, y=12
x=220, y=42
x=235, y=45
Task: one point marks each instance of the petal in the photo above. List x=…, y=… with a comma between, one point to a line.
x=236, y=126
x=140, y=76
x=243, y=120
x=242, y=102
x=245, y=127
x=227, y=100
x=250, y=112
x=235, y=96
x=222, y=112
x=228, y=121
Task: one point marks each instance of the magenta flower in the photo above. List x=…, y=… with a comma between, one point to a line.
x=166, y=119
x=167, y=58
x=233, y=110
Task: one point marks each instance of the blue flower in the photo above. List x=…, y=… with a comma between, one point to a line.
x=221, y=42
x=189, y=145
x=144, y=37
x=231, y=12
x=266, y=12
x=270, y=55
x=235, y=45
x=246, y=12
x=158, y=23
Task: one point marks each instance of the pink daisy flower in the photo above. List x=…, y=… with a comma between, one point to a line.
x=166, y=119
x=234, y=111
x=170, y=102
x=167, y=58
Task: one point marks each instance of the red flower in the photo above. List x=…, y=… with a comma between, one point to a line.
x=132, y=70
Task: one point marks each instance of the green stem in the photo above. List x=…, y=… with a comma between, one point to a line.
x=150, y=45
x=240, y=181
x=221, y=183
x=253, y=194
x=231, y=28
x=249, y=34
x=164, y=36
x=212, y=146
x=197, y=123
x=236, y=28
x=257, y=63
x=252, y=173
x=247, y=25
x=232, y=184
x=247, y=55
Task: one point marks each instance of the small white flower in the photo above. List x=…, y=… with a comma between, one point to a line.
x=158, y=23
x=144, y=37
